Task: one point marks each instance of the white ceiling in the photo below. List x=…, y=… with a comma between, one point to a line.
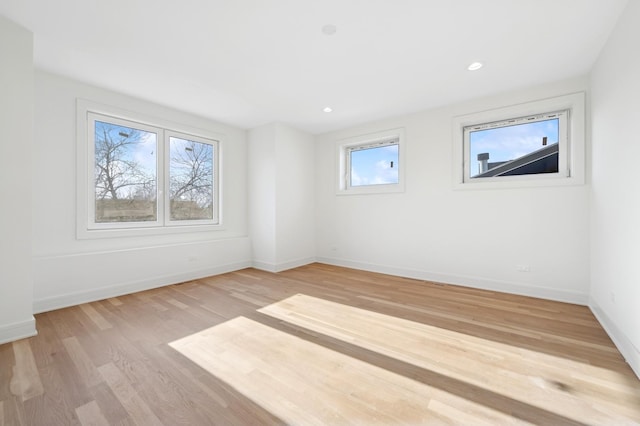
x=251, y=62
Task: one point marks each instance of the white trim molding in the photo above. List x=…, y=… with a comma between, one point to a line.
x=80, y=297
x=18, y=330
x=62, y=280
x=464, y=280
x=283, y=266
x=626, y=347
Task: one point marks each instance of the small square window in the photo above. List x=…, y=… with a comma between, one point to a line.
x=371, y=163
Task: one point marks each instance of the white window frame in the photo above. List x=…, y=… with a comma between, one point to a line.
x=92, y=117
x=563, y=137
x=86, y=227
x=374, y=140
x=571, y=158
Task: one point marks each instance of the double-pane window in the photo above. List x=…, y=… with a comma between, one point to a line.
x=147, y=176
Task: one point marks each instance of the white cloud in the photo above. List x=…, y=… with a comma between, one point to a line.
x=384, y=173
x=356, y=180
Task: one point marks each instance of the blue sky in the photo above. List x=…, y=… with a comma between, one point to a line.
x=181, y=172
x=511, y=142
x=373, y=166
x=143, y=150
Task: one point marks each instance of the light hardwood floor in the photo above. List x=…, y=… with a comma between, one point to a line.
x=316, y=345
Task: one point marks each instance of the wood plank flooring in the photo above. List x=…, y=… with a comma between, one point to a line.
x=316, y=345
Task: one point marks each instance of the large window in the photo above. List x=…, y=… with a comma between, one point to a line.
x=371, y=163
x=141, y=176
x=539, y=143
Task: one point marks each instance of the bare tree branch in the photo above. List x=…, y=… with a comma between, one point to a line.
x=115, y=169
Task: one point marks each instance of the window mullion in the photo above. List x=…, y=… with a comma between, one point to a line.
x=162, y=177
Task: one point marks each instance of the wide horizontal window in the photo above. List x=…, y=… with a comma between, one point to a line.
x=519, y=146
x=139, y=176
x=538, y=143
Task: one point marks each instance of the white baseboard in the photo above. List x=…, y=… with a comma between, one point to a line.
x=279, y=267
x=628, y=350
x=463, y=280
x=264, y=266
x=77, y=298
x=18, y=330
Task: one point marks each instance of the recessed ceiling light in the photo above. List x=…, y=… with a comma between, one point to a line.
x=327, y=109
x=329, y=29
x=475, y=66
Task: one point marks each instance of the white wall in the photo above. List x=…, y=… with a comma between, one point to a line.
x=281, y=198
x=295, y=199
x=262, y=195
x=69, y=271
x=16, y=153
x=468, y=237
x=615, y=205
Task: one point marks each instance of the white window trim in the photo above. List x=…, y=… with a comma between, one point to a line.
x=85, y=192
x=572, y=153
x=344, y=146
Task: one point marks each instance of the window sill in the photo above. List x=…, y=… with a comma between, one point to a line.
x=508, y=182
x=90, y=234
x=372, y=189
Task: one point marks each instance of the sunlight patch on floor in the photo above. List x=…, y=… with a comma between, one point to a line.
x=304, y=383
x=552, y=383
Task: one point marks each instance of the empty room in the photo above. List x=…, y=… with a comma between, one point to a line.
x=319, y=212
